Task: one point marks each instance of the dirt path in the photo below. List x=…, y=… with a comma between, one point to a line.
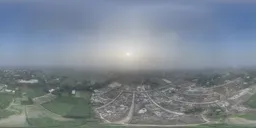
x=161, y=126
x=38, y=111
x=212, y=102
x=110, y=101
x=105, y=120
x=42, y=99
x=36, y=98
x=169, y=111
x=204, y=118
x=128, y=118
x=9, y=106
x=240, y=121
x=15, y=120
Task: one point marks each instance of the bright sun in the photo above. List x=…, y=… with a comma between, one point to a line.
x=128, y=54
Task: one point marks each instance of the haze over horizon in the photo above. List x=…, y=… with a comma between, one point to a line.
x=131, y=34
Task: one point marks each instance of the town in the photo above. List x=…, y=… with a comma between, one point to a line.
x=33, y=97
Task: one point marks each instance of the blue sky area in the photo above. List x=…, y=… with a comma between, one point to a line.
x=160, y=33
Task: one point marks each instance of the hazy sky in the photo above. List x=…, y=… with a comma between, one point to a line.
x=99, y=33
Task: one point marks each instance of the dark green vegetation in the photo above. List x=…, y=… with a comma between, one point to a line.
x=216, y=113
x=60, y=105
x=71, y=107
x=221, y=126
x=5, y=100
x=48, y=122
x=33, y=92
x=26, y=100
x=252, y=101
x=193, y=110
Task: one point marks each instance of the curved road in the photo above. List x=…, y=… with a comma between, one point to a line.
x=128, y=118
x=169, y=111
x=110, y=101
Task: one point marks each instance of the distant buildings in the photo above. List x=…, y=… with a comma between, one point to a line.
x=32, y=81
x=5, y=90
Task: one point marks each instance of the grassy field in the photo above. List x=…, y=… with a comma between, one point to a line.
x=33, y=92
x=249, y=116
x=60, y=105
x=5, y=100
x=220, y=126
x=252, y=101
x=48, y=122
x=5, y=113
x=80, y=110
x=69, y=106
x=199, y=126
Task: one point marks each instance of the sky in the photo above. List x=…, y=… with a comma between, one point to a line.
x=157, y=34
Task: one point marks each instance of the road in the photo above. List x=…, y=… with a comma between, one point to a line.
x=128, y=118
x=154, y=126
x=169, y=111
x=240, y=121
x=110, y=101
x=18, y=120
x=212, y=102
x=41, y=99
x=204, y=118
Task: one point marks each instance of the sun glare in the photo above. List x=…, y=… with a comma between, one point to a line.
x=128, y=54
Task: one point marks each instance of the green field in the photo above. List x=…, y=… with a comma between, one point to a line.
x=33, y=92
x=252, y=101
x=5, y=113
x=249, y=116
x=60, y=105
x=5, y=100
x=70, y=106
x=220, y=126
x=48, y=122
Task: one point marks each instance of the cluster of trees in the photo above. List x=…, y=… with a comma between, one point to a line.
x=216, y=112
x=83, y=86
x=206, y=79
x=193, y=110
x=27, y=101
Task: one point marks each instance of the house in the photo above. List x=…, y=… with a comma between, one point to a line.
x=51, y=90
x=73, y=92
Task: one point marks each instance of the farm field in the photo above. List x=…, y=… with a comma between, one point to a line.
x=33, y=92
x=48, y=122
x=69, y=106
x=5, y=113
x=248, y=116
x=251, y=102
x=83, y=94
x=5, y=100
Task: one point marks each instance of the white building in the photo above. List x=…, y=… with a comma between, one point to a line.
x=73, y=92
x=32, y=81
x=51, y=90
x=143, y=110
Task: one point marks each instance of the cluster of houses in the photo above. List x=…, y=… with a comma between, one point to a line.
x=4, y=89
